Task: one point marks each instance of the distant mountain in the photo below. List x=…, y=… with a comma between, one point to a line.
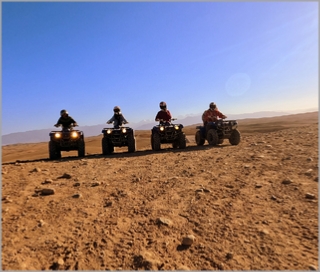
x=36, y=136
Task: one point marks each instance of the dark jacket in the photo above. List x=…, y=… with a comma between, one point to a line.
x=66, y=122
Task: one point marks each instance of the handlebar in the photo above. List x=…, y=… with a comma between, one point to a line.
x=60, y=125
x=172, y=119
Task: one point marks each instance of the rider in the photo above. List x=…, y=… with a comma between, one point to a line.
x=163, y=114
x=65, y=120
x=117, y=118
x=212, y=114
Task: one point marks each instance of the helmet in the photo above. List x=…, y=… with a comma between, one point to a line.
x=212, y=106
x=163, y=105
x=62, y=112
x=116, y=109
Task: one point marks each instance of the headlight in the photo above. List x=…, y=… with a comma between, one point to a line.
x=74, y=134
x=176, y=127
x=109, y=131
x=57, y=135
x=161, y=128
x=124, y=130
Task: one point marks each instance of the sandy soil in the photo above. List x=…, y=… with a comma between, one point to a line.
x=248, y=207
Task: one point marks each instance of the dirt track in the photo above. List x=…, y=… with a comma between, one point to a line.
x=249, y=207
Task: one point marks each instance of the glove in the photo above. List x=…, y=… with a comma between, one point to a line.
x=108, y=122
x=56, y=125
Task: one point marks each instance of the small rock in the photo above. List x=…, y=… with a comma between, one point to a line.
x=309, y=159
x=310, y=196
x=206, y=190
x=60, y=261
x=66, y=176
x=229, y=255
x=265, y=232
x=47, y=191
x=258, y=185
x=94, y=184
x=76, y=184
x=47, y=181
x=273, y=197
x=41, y=223
x=287, y=181
x=36, y=170
x=312, y=267
x=188, y=240
x=77, y=196
x=308, y=172
x=5, y=197
x=164, y=221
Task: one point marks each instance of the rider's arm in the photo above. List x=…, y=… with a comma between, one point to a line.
x=157, y=117
x=124, y=120
x=73, y=121
x=221, y=115
x=111, y=120
x=204, y=118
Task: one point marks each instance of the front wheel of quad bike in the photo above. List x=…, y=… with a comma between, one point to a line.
x=182, y=141
x=131, y=143
x=199, y=139
x=54, y=152
x=175, y=144
x=152, y=142
x=81, y=149
x=156, y=142
x=235, y=137
x=212, y=137
x=107, y=148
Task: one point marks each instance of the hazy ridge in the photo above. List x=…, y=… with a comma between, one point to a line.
x=35, y=136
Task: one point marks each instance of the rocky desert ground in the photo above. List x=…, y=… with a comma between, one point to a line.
x=253, y=206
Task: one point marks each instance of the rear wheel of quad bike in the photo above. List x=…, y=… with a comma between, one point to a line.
x=107, y=148
x=156, y=142
x=81, y=149
x=212, y=137
x=234, y=137
x=220, y=141
x=199, y=139
x=53, y=151
x=182, y=141
x=131, y=143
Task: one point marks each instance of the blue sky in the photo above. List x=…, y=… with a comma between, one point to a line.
x=87, y=57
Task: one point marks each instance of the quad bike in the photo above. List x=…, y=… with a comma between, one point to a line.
x=166, y=132
x=120, y=136
x=66, y=140
x=216, y=132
